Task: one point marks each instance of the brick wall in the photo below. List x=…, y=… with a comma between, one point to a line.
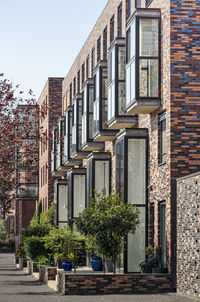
x=70, y=284
x=25, y=210
x=188, y=239
x=52, y=95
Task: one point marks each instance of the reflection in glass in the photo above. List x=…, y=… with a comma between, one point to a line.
x=62, y=203
x=78, y=194
x=148, y=78
x=102, y=176
x=149, y=37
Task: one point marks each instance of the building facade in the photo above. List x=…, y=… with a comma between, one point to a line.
x=130, y=118
x=50, y=104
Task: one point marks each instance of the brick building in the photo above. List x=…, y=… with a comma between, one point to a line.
x=26, y=168
x=50, y=104
x=131, y=118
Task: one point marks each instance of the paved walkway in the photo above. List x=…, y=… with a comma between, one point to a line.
x=15, y=286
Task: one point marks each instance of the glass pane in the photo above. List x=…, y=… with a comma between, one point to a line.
x=90, y=126
x=136, y=244
x=79, y=194
x=163, y=233
x=113, y=65
x=113, y=100
x=120, y=167
x=85, y=100
x=102, y=179
x=137, y=171
x=104, y=112
x=121, y=98
x=109, y=103
x=91, y=97
x=79, y=111
x=149, y=37
x=132, y=80
x=104, y=88
x=128, y=45
x=97, y=84
x=121, y=63
x=73, y=139
x=148, y=78
x=110, y=68
x=89, y=180
x=133, y=39
x=62, y=203
x=128, y=86
x=84, y=128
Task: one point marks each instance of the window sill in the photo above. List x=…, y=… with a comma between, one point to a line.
x=161, y=164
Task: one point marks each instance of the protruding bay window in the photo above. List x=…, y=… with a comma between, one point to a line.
x=56, y=152
x=100, y=106
x=61, y=202
x=69, y=162
x=88, y=143
x=131, y=184
x=143, y=83
x=98, y=174
x=60, y=145
x=76, y=192
x=117, y=118
x=77, y=129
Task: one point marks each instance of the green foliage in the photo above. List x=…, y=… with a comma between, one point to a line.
x=44, y=260
x=36, y=218
x=62, y=242
x=39, y=230
x=149, y=251
x=47, y=217
x=34, y=248
x=21, y=251
x=107, y=221
x=3, y=231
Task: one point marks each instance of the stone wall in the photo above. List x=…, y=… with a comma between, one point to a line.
x=188, y=235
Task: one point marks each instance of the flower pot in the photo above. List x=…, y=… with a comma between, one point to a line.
x=67, y=266
x=109, y=266
x=96, y=264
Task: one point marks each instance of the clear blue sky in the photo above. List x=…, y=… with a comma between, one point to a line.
x=41, y=38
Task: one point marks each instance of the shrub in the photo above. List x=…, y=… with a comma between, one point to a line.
x=39, y=230
x=36, y=218
x=47, y=217
x=3, y=232
x=34, y=248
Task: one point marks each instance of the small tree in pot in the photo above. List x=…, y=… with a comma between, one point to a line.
x=108, y=220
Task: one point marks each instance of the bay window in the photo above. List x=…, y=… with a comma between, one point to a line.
x=61, y=202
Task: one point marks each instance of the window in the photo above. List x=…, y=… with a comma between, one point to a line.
x=128, y=8
x=112, y=29
x=162, y=128
x=70, y=94
x=99, y=49
x=74, y=86
x=138, y=3
x=162, y=239
x=105, y=44
x=147, y=2
x=87, y=66
x=83, y=73
x=93, y=61
x=78, y=82
x=119, y=20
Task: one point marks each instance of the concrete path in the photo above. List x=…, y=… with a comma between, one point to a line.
x=15, y=286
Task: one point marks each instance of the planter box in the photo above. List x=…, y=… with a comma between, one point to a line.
x=22, y=263
x=34, y=267
x=47, y=273
x=106, y=284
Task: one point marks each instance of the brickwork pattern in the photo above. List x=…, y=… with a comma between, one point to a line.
x=112, y=284
x=188, y=229
x=47, y=273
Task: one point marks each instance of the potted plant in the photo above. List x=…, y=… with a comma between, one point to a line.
x=96, y=259
x=108, y=220
x=62, y=242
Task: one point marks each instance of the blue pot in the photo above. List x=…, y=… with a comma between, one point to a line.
x=96, y=264
x=67, y=266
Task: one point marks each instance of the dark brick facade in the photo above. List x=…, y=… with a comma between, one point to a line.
x=188, y=230
x=25, y=209
x=94, y=284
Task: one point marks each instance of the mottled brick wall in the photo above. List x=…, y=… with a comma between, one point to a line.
x=188, y=231
x=185, y=87
x=112, y=284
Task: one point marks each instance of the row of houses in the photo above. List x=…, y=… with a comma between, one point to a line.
x=126, y=118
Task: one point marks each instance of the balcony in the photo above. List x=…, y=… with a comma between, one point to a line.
x=131, y=185
x=88, y=143
x=98, y=174
x=101, y=132
x=77, y=152
x=143, y=71
x=27, y=191
x=61, y=202
x=117, y=117
x=69, y=162
x=55, y=154
x=76, y=193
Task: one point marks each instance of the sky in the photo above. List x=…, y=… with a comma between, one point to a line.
x=41, y=38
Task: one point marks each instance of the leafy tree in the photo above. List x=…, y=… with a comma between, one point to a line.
x=17, y=117
x=107, y=221
x=36, y=217
x=3, y=232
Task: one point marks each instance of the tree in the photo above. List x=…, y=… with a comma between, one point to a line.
x=108, y=220
x=17, y=117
